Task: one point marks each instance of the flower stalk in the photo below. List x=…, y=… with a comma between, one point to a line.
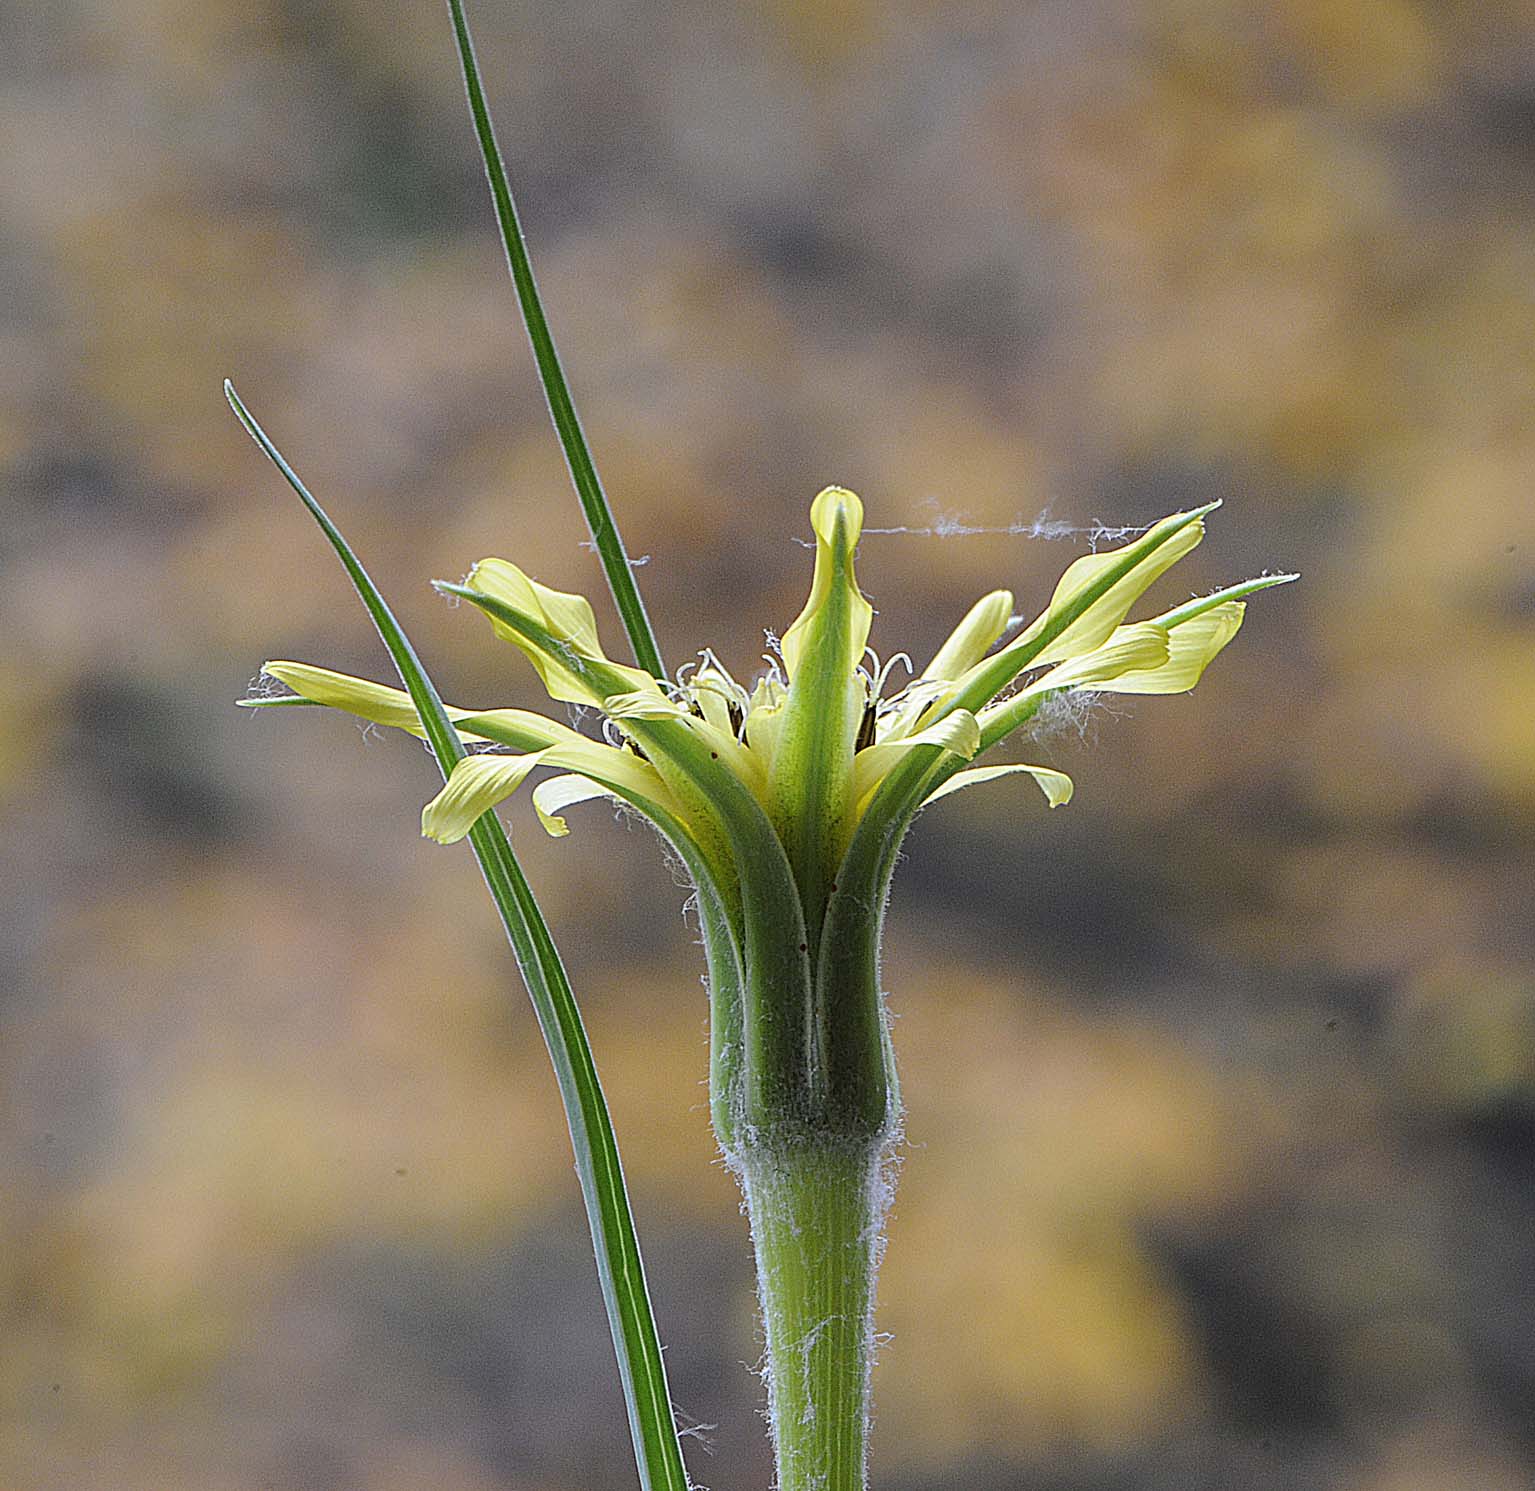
x=816, y=1210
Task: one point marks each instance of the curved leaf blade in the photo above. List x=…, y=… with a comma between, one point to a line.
x=606, y=538
x=615, y=1245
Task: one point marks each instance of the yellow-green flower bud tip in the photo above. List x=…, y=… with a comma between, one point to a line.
x=972, y=639
x=836, y=516
x=837, y=509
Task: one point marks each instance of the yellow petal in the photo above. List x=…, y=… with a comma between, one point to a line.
x=1143, y=646
x=552, y=797
x=568, y=626
x=1056, y=785
x=564, y=615
x=643, y=704
x=764, y=720
x=616, y=768
x=1098, y=621
x=972, y=639
x=519, y=728
x=714, y=693
x=957, y=733
x=477, y=784
x=357, y=696
x=967, y=644
x=1191, y=647
x=924, y=697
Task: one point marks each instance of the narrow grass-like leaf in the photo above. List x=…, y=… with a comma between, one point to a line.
x=619, y=1265
x=606, y=538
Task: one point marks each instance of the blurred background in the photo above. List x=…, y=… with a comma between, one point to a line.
x=1221, y=1082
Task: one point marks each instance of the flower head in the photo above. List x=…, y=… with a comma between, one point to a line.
x=787, y=797
x=805, y=754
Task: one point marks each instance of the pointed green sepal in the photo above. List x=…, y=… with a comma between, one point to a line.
x=1198, y=606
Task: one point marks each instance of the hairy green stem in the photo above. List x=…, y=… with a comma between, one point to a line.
x=816, y=1209
x=816, y=1183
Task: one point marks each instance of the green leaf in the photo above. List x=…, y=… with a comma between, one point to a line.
x=606, y=538
x=614, y=1243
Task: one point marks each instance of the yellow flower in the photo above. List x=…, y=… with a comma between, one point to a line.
x=804, y=755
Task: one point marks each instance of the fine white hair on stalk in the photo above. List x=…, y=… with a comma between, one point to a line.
x=689, y=1427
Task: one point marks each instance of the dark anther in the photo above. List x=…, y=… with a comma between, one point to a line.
x=866, y=727
x=737, y=716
